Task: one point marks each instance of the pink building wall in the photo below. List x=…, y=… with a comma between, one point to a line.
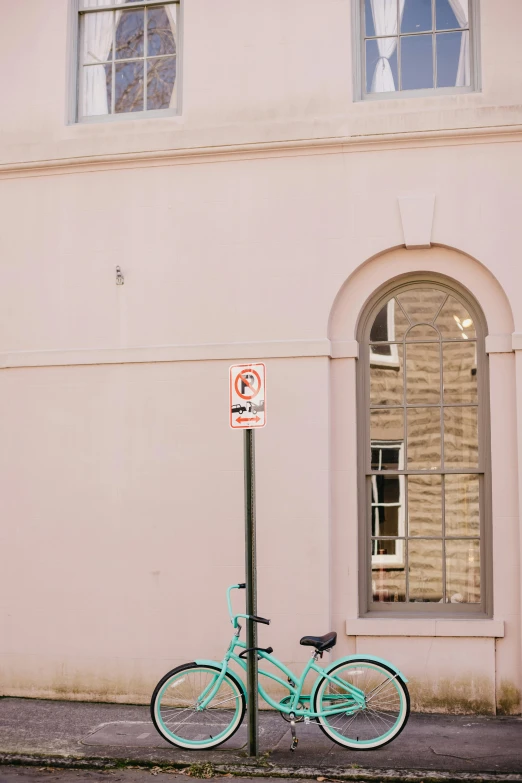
x=253, y=226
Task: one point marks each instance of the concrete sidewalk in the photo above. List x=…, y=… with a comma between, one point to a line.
x=440, y=747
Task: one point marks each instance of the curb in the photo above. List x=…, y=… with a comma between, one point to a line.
x=263, y=771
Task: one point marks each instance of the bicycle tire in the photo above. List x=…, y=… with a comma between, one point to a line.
x=373, y=726
x=170, y=713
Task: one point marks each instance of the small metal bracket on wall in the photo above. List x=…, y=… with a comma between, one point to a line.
x=119, y=277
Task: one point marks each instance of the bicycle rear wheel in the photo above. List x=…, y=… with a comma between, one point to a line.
x=362, y=726
x=176, y=712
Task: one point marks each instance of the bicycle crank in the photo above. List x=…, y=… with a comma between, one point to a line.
x=295, y=740
x=285, y=715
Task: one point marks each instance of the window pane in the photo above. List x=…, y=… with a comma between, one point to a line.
x=385, y=520
x=97, y=37
x=424, y=505
x=130, y=36
x=446, y=18
x=463, y=572
x=381, y=65
x=461, y=437
x=390, y=323
x=129, y=87
x=416, y=16
x=386, y=456
x=386, y=379
x=94, y=3
x=416, y=62
x=96, y=90
x=378, y=350
x=424, y=438
x=387, y=436
x=422, y=332
x=454, y=322
x=425, y=570
x=387, y=501
x=385, y=22
x=160, y=34
x=460, y=371
x=388, y=571
x=368, y=18
x=161, y=75
x=452, y=53
x=422, y=373
x=379, y=331
x=421, y=305
x=462, y=504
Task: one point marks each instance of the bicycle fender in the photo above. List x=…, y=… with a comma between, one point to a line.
x=219, y=665
x=359, y=657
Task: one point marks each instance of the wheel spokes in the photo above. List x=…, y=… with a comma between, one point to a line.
x=179, y=708
x=372, y=720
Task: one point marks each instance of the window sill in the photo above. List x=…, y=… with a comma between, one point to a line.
x=362, y=626
x=137, y=116
x=428, y=92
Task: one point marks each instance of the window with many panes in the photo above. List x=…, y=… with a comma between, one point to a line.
x=425, y=451
x=409, y=45
x=127, y=58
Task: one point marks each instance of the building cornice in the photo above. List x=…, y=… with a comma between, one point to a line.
x=283, y=148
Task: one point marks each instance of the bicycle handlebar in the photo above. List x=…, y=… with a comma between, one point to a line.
x=257, y=619
x=234, y=617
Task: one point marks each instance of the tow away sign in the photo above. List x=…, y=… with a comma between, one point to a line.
x=247, y=396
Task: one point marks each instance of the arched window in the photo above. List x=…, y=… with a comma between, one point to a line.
x=423, y=387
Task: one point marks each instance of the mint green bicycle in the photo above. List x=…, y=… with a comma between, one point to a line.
x=360, y=702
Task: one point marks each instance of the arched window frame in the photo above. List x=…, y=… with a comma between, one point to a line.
x=368, y=607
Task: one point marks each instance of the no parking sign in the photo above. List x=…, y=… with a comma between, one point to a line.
x=247, y=396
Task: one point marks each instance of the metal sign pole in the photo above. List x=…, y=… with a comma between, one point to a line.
x=251, y=590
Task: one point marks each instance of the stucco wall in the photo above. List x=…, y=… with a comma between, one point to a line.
x=121, y=481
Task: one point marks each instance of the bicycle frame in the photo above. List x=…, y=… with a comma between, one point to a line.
x=351, y=701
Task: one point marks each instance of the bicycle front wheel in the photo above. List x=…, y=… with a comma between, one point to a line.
x=176, y=706
x=373, y=720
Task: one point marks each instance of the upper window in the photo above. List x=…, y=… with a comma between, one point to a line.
x=127, y=58
x=413, y=45
x=424, y=466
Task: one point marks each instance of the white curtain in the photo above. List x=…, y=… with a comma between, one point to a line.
x=97, y=43
x=460, y=9
x=385, y=22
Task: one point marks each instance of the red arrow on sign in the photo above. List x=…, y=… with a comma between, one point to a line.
x=255, y=418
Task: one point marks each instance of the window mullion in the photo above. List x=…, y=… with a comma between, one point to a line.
x=145, y=61
x=442, y=466
x=113, y=66
x=434, y=44
x=399, y=73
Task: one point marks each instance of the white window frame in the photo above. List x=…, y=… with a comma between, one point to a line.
x=393, y=358
x=73, y=113
x=359, y=76
x=397, y=560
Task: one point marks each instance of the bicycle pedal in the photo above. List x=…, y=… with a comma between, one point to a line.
x=307, y=720
x=293, y=746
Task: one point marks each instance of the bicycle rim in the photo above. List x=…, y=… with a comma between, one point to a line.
x=378, y=721
x=176, y=707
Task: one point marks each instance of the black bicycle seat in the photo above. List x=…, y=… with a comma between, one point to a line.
x=320, y=643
